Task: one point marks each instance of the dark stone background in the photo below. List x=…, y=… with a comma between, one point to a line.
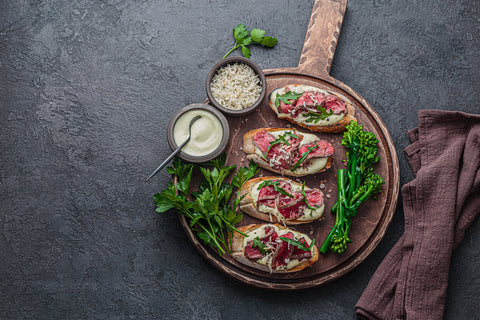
x=86, y=92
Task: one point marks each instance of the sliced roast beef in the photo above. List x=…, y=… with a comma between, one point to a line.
x=310, y=100
x=262, y=140
x=292, y=212
x=285, y=185
x=285, y=107
x=333, y=103
x=300, y=254
x=287, y=202
x=323, y=149
x=314, y=197
x=267, y=193
x=251, y=252
x=283, y=251
x=291, y=208
x=270, y=240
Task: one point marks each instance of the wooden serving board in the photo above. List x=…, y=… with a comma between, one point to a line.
x=373, y=217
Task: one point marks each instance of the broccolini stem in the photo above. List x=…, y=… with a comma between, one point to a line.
x=340, y=212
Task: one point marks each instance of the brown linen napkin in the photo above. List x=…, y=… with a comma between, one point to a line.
x=439, y=204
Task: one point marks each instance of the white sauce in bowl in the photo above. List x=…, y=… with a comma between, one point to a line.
x=207, y=132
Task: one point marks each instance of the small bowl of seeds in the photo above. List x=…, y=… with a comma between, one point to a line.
x=236, y=86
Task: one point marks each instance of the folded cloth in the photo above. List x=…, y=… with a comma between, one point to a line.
x=439, y=205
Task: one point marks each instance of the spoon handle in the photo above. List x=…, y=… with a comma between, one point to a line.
x=166, y=161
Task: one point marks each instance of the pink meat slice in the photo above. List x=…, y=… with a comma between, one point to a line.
x=262, y=140
x=323, y=149
x=299, y=253
x=291, y=208
x=311, y=99
x=283, y=251
x=267, y=193
x=269, y=239
x=267, y=196
x=251, y=252
x=333, y=103
x=314, y=197
x=285, y=107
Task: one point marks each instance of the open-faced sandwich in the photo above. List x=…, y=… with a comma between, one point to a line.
x=276, y=199
x=273, y=248
x=288, y=151
x=312, y=108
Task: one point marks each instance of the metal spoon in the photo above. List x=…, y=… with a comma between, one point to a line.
x=164, y=163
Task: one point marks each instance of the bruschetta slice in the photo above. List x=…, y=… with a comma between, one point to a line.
x=276, y=199
x=288, y=151
x=273, y=248
x=312, y=108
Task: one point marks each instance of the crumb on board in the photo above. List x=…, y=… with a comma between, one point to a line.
x=328, y=195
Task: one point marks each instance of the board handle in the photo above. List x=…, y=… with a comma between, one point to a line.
x=321, y=37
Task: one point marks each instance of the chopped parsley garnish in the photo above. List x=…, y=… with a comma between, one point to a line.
x=303, y=157
x=289, y=95
x=298, y=244
x=281, y=139
x=257, y=243
x=276, y=187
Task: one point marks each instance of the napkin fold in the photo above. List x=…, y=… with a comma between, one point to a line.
x=439, y=205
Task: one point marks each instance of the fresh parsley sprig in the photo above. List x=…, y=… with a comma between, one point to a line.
x=243, y=39
x=298, y=244
x=286, y=97
x=303, y=157
x=276, y=187
x=209, y=212
x=281, y=139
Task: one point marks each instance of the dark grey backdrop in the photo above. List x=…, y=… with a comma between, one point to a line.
x=86, y=92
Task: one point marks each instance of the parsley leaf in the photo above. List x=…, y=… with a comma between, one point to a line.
x=243, y=39
x=244, y=174
x=257, y=35
x=289, y=95
x=303, y=157
x=281, y=139
x=298, y=244
x=276, y=187
x=269, y=41
x=257, y=243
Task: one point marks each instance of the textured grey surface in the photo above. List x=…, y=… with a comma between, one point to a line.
x=86, y=91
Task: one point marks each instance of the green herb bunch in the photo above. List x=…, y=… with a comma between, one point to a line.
x=209, y=211
x=243, y=39
x=355, y=184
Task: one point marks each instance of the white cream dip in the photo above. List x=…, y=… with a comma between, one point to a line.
x=206, y=136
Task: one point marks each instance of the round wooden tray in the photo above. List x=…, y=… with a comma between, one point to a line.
x=373, y=217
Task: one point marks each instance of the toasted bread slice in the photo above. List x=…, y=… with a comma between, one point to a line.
x=238, y=250
x=254, y=154
x=332, y=124
x=249, y=205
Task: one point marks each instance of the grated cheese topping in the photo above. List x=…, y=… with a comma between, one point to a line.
x=236, y=86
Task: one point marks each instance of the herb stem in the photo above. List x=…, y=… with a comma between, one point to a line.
x=233, y=49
